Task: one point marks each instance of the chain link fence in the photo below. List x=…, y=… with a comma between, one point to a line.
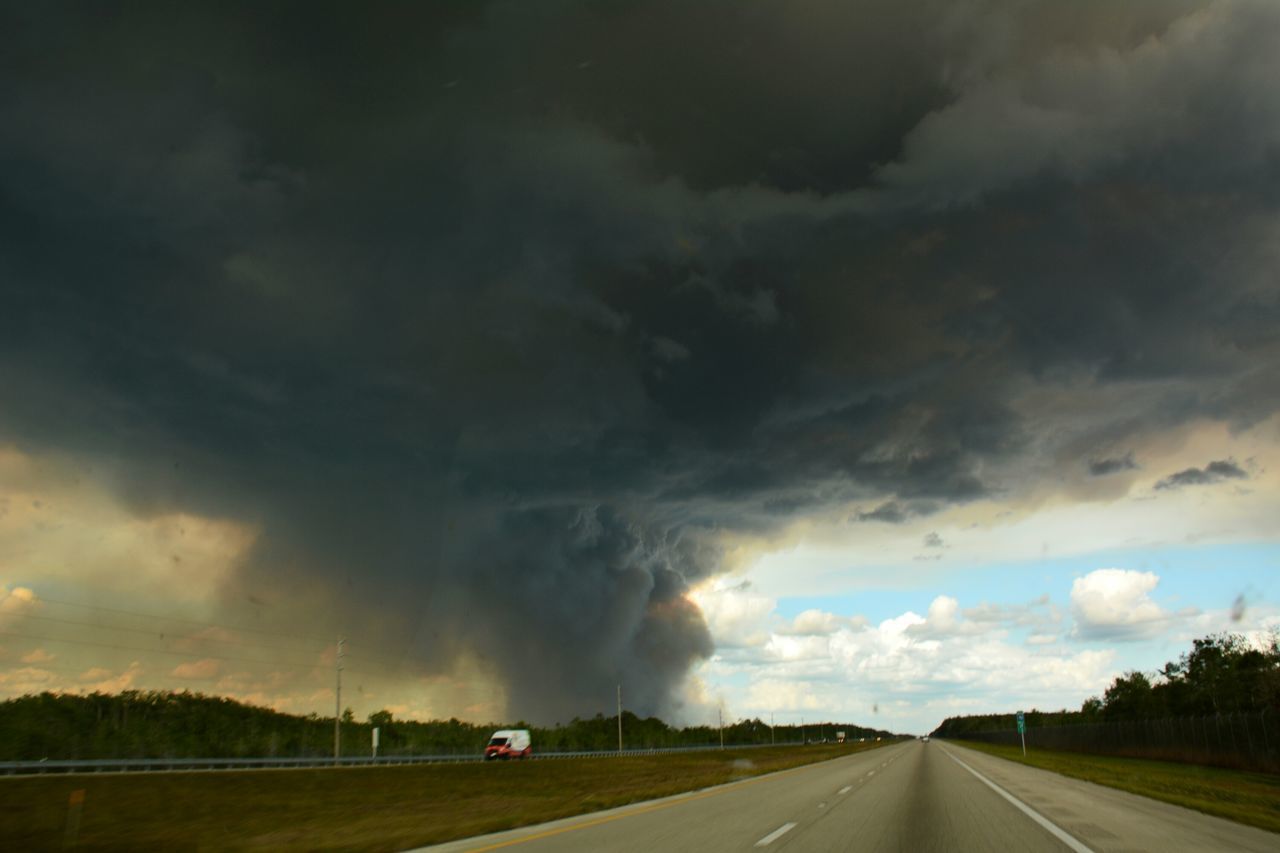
x=1243, y=741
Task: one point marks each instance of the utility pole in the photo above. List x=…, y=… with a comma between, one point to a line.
x=720, y=719
x=619, y=718
x=337, y=704
x=773, y=740
x=803, y=739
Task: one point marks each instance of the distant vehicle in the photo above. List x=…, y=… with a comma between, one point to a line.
x=924, y=739
x=839, y=737
x=507, y=744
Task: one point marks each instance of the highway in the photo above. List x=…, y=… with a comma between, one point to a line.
x=909, y=797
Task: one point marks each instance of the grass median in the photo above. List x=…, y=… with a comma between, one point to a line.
x=376, y=809
x=1249, y=798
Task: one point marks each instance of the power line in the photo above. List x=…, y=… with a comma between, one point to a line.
x=152, y=632
x=292, y=664
x=372, y=657
x=181, y=619
x=199, y=655
x=394, y=660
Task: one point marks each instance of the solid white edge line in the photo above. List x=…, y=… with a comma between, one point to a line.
x=846, y=789
x=775, y=835
x=1049, y=825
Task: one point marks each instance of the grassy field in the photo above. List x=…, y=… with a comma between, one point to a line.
x=388, y=808
x=1250, y=798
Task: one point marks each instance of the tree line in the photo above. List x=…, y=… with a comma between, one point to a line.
x=156, y=724
x=1221, y=674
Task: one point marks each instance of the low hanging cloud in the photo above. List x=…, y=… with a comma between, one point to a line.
x=1112, y=465
x=1214, y=472
x=199, y=670
x=38, y=656
x=815, y=622
x=15, y=603
x=895, y=512
x=102, y=679
x=28, y=679
x=909, y=670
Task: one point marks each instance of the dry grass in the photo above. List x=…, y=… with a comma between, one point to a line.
x=1249, y=798
x=390, y=808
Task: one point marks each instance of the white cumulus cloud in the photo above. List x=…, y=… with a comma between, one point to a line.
x=16, y=602
x=907, y=671
x=736, y=615
x=1116, y=604
x=820, y=622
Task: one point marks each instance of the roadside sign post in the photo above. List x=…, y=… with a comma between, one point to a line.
x=375, y=741
x=1022, y=732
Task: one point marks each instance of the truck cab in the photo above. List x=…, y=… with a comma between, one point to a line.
x=507, y=744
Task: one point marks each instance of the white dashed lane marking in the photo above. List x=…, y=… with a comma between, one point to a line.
x=775, y=835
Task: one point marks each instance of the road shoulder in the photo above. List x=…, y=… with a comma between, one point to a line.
x=1108, y=819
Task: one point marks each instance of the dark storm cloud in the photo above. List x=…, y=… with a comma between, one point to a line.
x=894, y=512
x=1111, y=465
x=1214, y=472
x=493, y=316
x=890, y=511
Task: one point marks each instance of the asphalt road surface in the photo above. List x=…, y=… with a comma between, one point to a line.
x=909, y=797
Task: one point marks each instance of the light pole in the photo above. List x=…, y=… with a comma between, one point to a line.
x=337, y=704
x=619, y=718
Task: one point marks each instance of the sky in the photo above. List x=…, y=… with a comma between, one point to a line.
x=869, y=361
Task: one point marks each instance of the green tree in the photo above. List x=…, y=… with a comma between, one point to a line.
x=1129, y=697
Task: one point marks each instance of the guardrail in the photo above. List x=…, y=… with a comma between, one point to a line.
x=172, y=765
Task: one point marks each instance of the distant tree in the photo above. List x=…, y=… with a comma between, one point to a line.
x=1129, y=697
